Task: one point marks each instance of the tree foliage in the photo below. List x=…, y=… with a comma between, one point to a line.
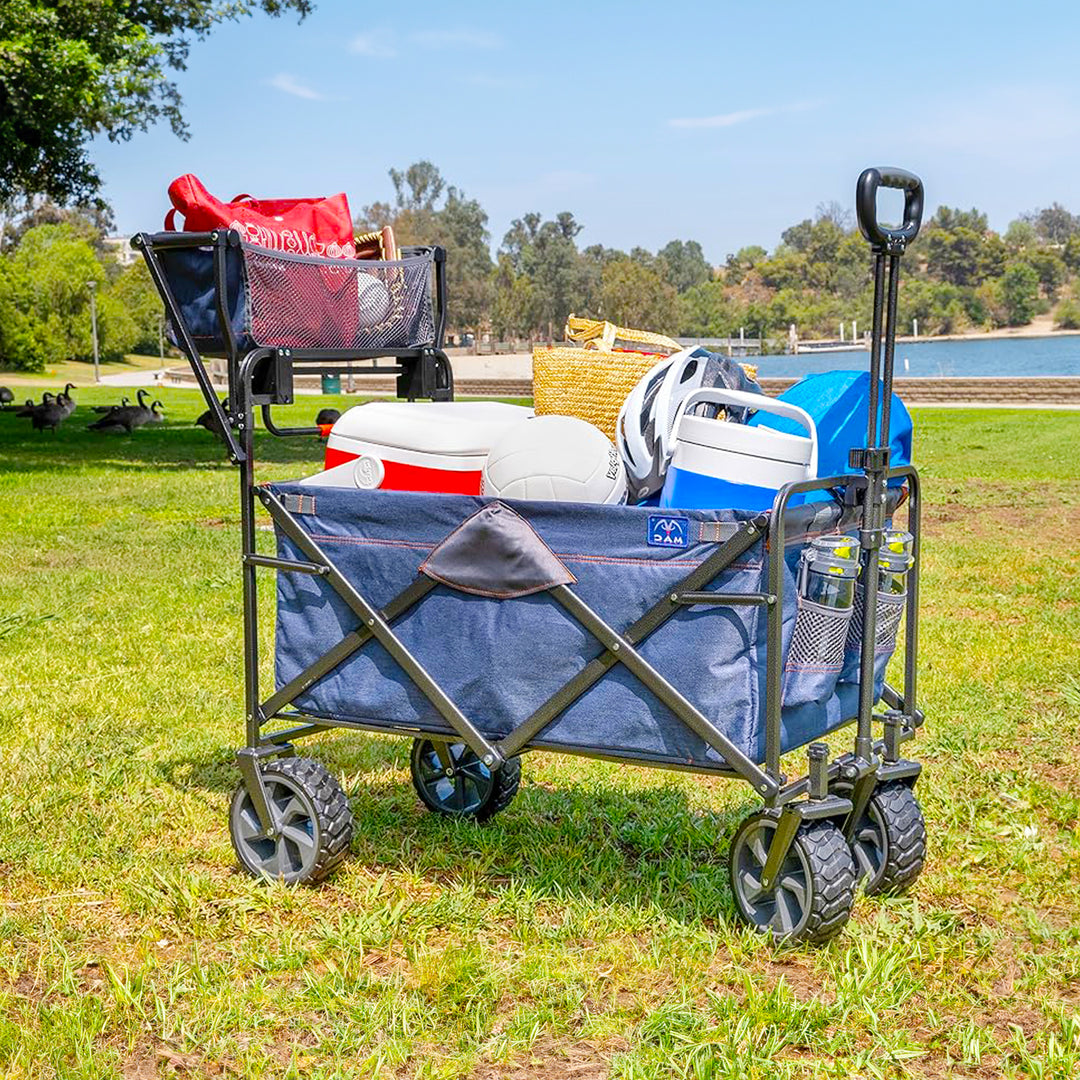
x=632, y=294
x=426, y=210
x=45, y=301
x=72, y=70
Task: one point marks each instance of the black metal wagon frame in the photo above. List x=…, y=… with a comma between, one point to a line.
x=796, y=862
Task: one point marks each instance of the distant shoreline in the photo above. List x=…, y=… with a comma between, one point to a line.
x=1037, y=329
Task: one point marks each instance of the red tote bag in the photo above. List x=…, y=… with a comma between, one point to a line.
x=297, y=226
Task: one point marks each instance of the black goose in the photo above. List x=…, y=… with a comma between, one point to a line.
x=156, y=417
x=124, y=418
x=29, y=407
x=49, y=415
x=65, y=400
x=210, y=421
x=6, y=397
x=124, y=402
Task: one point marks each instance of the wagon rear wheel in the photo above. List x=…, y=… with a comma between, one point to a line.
x=312, y=828
x=450, y=779
x=814, y=890
x=889, y=840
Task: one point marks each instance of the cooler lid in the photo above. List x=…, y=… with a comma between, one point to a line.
x=740, y=439
x=434, y=427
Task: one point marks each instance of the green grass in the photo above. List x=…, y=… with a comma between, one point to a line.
x=588, y=930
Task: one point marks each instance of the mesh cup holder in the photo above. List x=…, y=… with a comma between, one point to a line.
x=314, y=303
x=890, y=610
x=816, y=654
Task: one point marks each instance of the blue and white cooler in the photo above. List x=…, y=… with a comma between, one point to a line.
x=718, y=464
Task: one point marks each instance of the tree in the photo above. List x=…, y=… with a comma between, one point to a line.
x=635, y=296
x=706, y=311
x=1071, y=253
x=515, y=311
x=546, y=252
x=428, y=211
x=72, y=71
x=686, y=264
x=1020, y=234
x=745, y=259
x=949, y=218
x=1055, y=224
x=94, y=221
x=45, y=302
x=952, y=255
x=798, y=236
x=1020, y=293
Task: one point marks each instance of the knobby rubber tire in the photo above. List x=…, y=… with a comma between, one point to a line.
x=905, y=838
x=331, y=815
x=833, y=873
x=507, y=782
x=504, y=783
x=818, y=872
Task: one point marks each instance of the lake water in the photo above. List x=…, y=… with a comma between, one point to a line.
x=986, y=356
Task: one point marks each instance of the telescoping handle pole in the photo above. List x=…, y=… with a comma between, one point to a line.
x=888, y=244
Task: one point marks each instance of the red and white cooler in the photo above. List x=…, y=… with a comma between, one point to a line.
x=415, y=446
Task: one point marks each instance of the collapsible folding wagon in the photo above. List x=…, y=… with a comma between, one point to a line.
x=483, y=629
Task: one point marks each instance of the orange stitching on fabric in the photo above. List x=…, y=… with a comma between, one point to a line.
x=371, y=541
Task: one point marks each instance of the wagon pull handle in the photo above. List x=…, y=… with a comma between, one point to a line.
x=866, y=189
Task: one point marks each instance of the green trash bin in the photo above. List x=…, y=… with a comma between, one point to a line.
x=331, y=384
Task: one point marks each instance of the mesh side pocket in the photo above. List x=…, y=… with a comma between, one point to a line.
x=312, y=303
x=890, y=610
x=816, y=654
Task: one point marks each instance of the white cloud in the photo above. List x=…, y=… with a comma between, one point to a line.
x=741, y=116
x=457, y=39
x=374, y=43
x=288, y=84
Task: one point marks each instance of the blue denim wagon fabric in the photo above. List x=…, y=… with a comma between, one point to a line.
x=498, y=660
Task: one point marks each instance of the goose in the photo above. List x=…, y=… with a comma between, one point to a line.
x=210, y=421
x=29, y=407
x=119, y=420
x=124, y=418
x=49, y=415
x=156, y=417
x=142, y=413
x=6, y=397
x=65, y=400
x=124, y=402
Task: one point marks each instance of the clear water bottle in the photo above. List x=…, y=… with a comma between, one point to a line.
x=894, y=562
x=828, y=568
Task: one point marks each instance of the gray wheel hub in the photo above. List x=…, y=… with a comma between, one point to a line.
x=784, y=909
x=289, y=850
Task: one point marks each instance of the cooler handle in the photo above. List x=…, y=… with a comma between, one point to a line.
x=720, y=396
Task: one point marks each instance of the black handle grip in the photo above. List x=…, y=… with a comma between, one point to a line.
x=866, y=206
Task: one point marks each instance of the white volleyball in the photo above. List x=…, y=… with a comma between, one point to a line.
x=555, y=458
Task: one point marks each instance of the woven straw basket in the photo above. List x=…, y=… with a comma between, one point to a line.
x=591, y=380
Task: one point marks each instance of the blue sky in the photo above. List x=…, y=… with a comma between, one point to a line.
x=719, y=122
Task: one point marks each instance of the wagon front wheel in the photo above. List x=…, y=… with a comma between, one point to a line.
x=312, y=826
x=813, y=892
x=450, y=779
